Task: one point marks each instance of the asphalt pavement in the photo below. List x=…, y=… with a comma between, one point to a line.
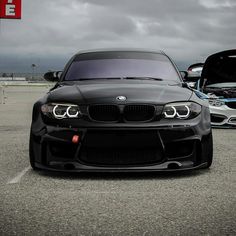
x=46, y=203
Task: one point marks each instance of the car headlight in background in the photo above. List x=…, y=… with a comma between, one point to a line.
x=181, y=110
x=61, y=111
x=216, y=102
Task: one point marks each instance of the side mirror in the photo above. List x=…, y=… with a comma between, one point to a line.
x=52, y=76
x=191, y=78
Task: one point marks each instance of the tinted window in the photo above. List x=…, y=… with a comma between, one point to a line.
x=118, y=65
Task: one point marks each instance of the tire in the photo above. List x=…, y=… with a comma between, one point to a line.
x=209, y=150
x=31, y=154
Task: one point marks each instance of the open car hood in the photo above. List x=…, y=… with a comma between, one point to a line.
x=219, y=68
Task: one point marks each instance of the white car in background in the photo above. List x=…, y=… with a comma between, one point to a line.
x=218, y=84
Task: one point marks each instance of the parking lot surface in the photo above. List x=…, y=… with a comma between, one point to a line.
x=44, y=203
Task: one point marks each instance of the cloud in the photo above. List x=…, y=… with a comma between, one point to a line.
x=50, y=32
x=217, y=4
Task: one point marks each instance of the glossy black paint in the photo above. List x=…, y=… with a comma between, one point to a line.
x=174, y=144
x=87, y=92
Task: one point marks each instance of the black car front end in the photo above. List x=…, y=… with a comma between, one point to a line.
x=120, y=111
x=98, y=142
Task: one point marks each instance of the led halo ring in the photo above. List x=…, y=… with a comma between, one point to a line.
x=68, y=113
x=171, y=116
x=184, y=116
x=56, y=115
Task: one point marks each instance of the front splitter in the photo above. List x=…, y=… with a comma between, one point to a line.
x=122, y=170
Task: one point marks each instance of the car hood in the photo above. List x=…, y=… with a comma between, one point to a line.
x=219, y=68
x=107, y=92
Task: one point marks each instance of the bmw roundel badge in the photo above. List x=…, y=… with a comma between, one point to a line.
x=121, y=98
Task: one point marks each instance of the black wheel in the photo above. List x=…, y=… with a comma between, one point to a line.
x=31, y=154
x=208, y=149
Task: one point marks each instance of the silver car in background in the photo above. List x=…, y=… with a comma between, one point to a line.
x=218, y=84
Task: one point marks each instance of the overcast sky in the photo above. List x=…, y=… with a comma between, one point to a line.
x=51, y=31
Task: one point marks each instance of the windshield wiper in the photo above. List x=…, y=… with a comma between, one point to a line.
x=83, y=79
x=143, y=78
x=134, y=78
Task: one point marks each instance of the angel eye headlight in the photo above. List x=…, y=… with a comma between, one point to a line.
x=72, y=111
x=182, y=110
x=216, y=102
x=61, y=111
x=170, y=112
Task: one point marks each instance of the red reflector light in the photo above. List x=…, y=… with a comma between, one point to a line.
x=75, y=139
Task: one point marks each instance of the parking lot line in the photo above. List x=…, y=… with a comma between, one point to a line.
x=19, y=176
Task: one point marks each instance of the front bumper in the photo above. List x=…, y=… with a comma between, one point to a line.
x=223, y=116
x=163, y=145
x=160, y=148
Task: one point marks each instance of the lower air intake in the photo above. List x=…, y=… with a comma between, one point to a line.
x=120, y=157
x=121, y=147
x=217, y=118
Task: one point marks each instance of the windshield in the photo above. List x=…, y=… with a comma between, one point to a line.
x=122, y=66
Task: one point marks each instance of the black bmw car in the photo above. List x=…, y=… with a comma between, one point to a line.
x=120, y=110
